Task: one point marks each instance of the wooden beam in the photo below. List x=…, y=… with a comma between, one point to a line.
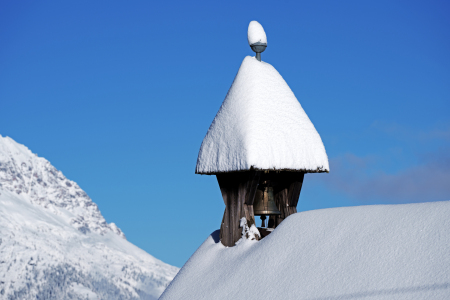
x=238, y=192
x=252, y=183
x=287, y=193
x=295, y=187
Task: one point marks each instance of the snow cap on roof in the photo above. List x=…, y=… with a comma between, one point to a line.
x=261, y=125
x=256, y=33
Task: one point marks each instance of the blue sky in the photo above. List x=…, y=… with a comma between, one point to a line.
x=119, y=96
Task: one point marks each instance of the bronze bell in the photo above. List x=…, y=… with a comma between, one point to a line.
x=264, y=204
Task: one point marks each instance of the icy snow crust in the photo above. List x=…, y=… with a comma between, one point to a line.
x=366, y=252
x=262, y=125
x=256, y=33
x=55, y=244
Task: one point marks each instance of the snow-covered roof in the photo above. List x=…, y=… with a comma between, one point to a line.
x=261, y=125
x=355, y=253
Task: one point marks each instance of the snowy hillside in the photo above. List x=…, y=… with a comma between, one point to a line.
x=55, y=244
x=366, y=252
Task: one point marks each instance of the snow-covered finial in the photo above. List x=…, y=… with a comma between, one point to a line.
x=257, y=38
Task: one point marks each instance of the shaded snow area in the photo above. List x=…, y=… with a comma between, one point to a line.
x=262, y=125
x=55, y=244
x=365, y=252
x=256, y=33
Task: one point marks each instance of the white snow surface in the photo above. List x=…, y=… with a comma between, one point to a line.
x=256, y=33
x=365, y=252
x=262, y=125
x=55, y=244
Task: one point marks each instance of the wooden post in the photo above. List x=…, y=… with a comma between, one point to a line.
x=295, y=188
x=238, y=192
x=287, y=193
x=281, y=199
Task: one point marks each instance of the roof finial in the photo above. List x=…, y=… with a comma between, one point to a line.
x=257, y=38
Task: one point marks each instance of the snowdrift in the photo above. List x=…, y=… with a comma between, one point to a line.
x=365, y=252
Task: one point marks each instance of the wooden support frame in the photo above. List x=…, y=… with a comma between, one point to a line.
x=238, y=193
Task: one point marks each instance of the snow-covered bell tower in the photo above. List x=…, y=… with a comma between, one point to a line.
x=260, y=145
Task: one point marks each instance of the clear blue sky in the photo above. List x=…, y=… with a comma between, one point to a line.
x=119, y=95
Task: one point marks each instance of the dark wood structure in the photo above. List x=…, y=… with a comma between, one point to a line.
x=238, y=192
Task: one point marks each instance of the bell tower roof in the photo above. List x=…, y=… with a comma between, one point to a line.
x=262, y=126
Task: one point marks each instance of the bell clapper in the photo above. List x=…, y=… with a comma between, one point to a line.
x=263, y=219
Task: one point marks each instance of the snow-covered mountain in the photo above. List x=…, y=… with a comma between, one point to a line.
x=55, y=244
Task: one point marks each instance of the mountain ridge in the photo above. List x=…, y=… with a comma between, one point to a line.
x=55, y=244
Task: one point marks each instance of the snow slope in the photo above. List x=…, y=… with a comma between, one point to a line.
x=365, y=252
x=262, y=125
x=55, y=244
